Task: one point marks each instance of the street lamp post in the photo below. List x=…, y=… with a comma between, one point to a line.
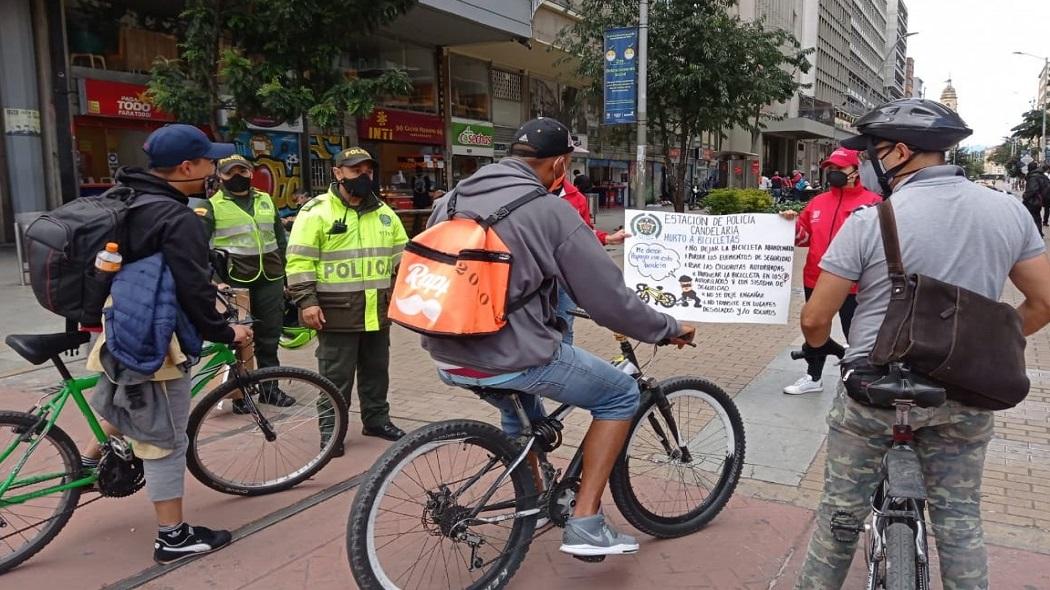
x=1046, y=98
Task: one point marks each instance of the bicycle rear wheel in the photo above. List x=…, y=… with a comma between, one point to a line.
x=665, y=491
x=28, y=525
x=409, y=526
x=900, y=557
x=269, y=448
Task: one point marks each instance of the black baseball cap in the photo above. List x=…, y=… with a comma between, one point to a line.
x=227, y=164
x=172, y=145
x=547, y=137
x=354, y=156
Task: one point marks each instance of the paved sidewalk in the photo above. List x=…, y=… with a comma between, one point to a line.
x=293, y=541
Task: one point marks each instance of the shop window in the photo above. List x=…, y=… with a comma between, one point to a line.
x=105, y=34
x=320, y=173
x=376, y=55
x=543, y=98
x=471, y=97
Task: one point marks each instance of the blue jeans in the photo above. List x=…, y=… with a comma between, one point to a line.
x=575, y=377
x=565, y=305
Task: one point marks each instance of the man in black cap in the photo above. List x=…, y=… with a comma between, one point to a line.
x=550, y=245
x=342, y=254
x=182, y=161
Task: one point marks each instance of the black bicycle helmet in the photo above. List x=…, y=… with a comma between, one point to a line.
x=925, y=125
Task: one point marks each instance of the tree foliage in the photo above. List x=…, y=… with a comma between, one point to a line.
x=275, y=58
x=1031, y=126
x=709, y=71
x=970, y=159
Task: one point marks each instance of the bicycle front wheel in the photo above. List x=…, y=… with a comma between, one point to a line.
x=249, y=448
x=411, y=524
x=27, y=523
x=670, y=490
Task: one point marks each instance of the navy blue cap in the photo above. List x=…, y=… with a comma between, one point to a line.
x=172, y=145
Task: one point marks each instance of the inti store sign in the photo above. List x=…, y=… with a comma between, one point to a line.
x=121, y=100
x=401, y=127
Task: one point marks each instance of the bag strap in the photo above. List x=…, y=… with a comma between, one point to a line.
x=891, y=245
x=500, y=213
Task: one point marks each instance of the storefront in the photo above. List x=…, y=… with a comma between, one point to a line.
x=472, y=147
x=611, y=180
x=409, y=146
x=114, y=121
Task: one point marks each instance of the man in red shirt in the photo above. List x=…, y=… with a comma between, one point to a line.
x=579, y=202
x=816, y=227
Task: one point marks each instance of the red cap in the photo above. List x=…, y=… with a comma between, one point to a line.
x=843, y=158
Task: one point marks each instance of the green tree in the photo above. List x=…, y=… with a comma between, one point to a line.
x=1031, y=125
x=971, y=160
x=708, y=69
x=276, y=58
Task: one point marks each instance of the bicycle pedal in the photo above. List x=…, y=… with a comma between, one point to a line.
x=590, y=558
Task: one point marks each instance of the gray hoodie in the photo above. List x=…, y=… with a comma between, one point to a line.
x=548, y=241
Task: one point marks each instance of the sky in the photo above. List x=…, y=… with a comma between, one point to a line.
x=972, y=41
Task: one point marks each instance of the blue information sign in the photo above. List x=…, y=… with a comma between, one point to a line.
x=621, y=75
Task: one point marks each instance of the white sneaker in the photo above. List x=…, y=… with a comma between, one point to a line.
x=805, y=384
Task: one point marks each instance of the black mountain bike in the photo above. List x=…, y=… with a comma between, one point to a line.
x=897, y=551
x=456, y=504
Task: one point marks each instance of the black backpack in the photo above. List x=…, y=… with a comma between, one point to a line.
x=61, y=246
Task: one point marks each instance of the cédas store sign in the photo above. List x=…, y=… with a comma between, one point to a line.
x=473, y=138
x=401, y=127
x=119, y=99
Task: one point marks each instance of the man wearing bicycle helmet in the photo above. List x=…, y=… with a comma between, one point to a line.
x=551, y=246
x=954, y=231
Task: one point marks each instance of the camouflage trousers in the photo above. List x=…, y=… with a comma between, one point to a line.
x=950, y=441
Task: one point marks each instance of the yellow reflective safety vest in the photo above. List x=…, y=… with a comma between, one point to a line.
x=344, y=259
x=249, y=239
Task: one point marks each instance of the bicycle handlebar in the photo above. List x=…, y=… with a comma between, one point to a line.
x=579, y=313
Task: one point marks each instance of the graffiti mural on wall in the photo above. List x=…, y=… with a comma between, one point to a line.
x=278, y=167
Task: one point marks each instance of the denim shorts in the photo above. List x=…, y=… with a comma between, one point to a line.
x=575, y=377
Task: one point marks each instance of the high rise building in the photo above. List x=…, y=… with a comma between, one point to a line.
x=918, y=89
x=895, y=72
x=867, y=56
x=1044, y=86
x=909, y=77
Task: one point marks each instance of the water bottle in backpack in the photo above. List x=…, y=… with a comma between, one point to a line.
x=96, y=289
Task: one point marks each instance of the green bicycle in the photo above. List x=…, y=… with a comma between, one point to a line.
x=244, y=449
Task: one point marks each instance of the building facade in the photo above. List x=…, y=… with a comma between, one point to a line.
x=896, y=50
x=949, y=97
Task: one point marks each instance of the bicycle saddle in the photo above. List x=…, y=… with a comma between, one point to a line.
x=902, y=384
x=39, y=348
x=484, y=392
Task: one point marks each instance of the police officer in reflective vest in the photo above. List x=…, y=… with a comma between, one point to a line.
x=342, y=254
x=244, y=222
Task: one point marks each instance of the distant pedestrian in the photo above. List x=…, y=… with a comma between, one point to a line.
x=1036, y=192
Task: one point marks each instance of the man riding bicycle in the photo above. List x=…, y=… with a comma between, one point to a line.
x=550, y=244
x=953, y=231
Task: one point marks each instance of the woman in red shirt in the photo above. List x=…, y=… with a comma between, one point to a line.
x=816, y=227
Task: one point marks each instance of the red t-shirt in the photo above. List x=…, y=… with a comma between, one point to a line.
x=822, y=219
x=575, y=198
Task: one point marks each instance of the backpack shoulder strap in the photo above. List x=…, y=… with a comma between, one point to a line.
x=891, y=245
x=509, y=208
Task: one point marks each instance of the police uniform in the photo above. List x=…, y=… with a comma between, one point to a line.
x=343, y=258
x=249, y=229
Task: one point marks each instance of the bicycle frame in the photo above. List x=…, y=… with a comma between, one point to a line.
x=219, y=357
x=627, y=362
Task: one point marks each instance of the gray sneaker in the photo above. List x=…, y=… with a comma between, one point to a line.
x=592, y=535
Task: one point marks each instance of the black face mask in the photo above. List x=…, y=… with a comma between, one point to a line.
x=838, y=178
x=886, y=176
x=237, y=184
x=360, y=187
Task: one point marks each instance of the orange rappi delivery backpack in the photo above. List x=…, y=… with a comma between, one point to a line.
x=454, y=276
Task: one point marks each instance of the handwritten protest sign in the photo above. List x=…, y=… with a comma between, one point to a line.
x=707, y=268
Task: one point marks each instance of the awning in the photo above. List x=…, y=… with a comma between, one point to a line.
x=445, y=22
x=799, y=128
